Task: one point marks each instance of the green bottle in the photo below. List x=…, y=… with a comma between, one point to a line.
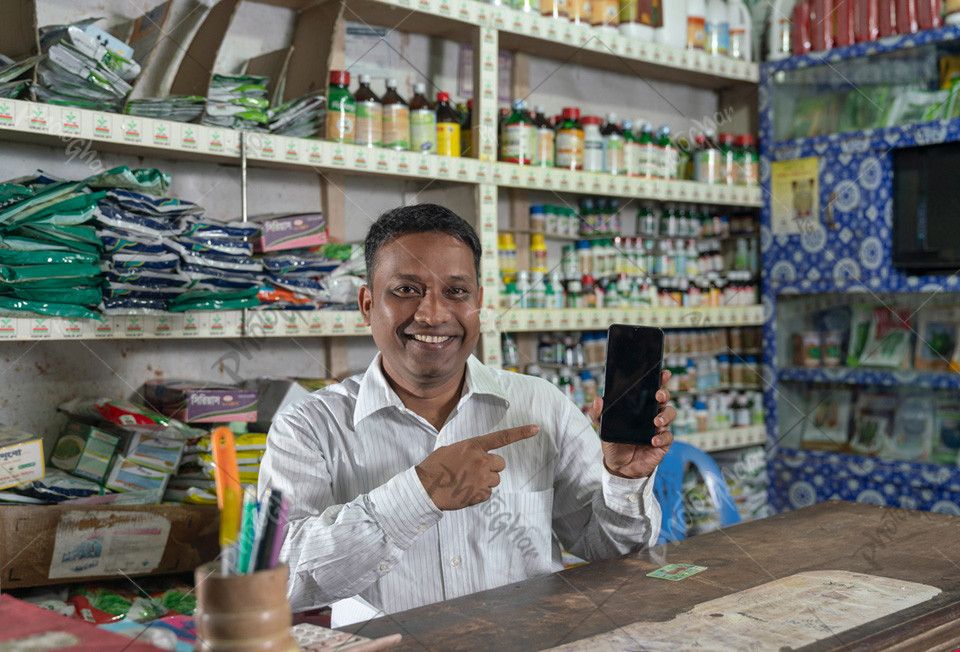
x=341, y=108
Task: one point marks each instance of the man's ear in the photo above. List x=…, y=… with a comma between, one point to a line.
x=366, y=303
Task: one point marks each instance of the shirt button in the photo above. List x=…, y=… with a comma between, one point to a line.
x=421, y=528
x=455, y=562
x=384, y=567
x=440, y=439
x=633, y=498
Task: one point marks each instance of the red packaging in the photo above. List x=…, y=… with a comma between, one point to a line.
x=907, y=17
x=844, y=22
x=801, y=27
x=928, y=14
x=888, y=18
x=866, y=20
x=821, y=25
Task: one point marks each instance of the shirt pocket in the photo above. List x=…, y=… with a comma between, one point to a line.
x=519, y=525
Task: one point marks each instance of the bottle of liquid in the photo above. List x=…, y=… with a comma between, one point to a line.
x=718, y=28
x=780, y=30
x=728, y=158
x=369, y=130
x=558, y=9
x=423, y=122
x=650, y=159
x=538, y=253
x=341, y=108
x=466, y=130
x=669, y=154
x=395, y=133
x=570, y=140
x=448, y=127
x=631, y=150
x=605, y=15
x=518, y=143
x=741, y=30
x=674, y=31
x=632, y=20
x=748, y=166
x=614, y=153
x=707, y=159
x=580, y=11
x=545, y=137
x=592, y=144
x=696, y=24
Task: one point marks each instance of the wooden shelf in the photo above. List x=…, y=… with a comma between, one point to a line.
x=576, y=319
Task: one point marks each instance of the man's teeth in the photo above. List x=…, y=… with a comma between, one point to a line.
x=431, y=339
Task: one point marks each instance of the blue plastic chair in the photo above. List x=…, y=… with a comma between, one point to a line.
x=668, y=488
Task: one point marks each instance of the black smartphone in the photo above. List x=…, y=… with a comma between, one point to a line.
x=634, y=363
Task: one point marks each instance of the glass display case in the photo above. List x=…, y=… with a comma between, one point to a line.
x=868, y=88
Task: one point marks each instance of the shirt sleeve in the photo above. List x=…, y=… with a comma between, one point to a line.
x=336, y=550
x=598, y=515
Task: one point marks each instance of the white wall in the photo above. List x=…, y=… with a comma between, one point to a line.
x=35, y=377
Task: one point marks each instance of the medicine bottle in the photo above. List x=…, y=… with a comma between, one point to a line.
x=631, y=150
x=748, y=168
x=466, y=128
x=369, y=130
x=395, y=132
x=614, y=153
x=669, y=154
x=423, y=122
x=341, y=108
x=538, y=253
x=448, y=127
x=519, y=141
x=570, y=140
x=592, y=144
x=728, y=159
x=650, y=159
x=545, y=139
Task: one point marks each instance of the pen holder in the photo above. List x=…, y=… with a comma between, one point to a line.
x=243, y=613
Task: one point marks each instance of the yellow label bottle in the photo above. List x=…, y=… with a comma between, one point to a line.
x=448, y=127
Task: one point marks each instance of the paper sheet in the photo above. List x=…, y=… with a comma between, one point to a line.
x=784, y=614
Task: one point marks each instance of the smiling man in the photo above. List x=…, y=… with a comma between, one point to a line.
x=430, y=475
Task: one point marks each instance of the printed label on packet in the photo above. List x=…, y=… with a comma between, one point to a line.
x=675, y=572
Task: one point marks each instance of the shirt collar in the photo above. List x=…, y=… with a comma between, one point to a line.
x=375, y=393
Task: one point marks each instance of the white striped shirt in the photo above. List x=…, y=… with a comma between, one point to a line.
x=361, y=522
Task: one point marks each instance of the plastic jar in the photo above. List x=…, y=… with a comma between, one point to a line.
x=592, y=144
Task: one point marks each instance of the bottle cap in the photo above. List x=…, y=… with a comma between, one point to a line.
x=571, y=113
x=727, y=138
x=363, y=79
x=592, y=120
x=469, y=104
x=540, y=108
x=340, y=77
x=587, y=280
x=664, y=131
x=627, y=125
x=536, y=209
x=746, y=140
x=519, y=105
x=391, y=83
x=443, y=97
x=420, y=89
x=612, y=118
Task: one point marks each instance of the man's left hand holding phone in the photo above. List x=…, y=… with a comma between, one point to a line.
x=634, y=461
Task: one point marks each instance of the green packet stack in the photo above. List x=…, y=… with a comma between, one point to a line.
x=49, y=250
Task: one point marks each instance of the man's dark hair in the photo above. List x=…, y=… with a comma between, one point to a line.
x=419, y=218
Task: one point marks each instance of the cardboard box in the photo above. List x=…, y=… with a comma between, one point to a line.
x=279, y=232
x=50, y=544
x=84, y=451
x=274, y=394
x=194, y=402
x=21, y=457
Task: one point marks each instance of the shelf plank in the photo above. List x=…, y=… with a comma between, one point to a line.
x=721, y=440
x=541, y=36
x=190, y=325
x=577, y=319
x=873, y=377
x=511, y=175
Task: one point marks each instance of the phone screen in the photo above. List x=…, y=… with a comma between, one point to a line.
x=634, y=361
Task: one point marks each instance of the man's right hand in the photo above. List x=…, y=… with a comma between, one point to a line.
x=465, y=473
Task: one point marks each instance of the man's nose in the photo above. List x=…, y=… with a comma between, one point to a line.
x=432, y=309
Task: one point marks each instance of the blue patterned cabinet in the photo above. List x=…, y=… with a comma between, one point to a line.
x=846, y=254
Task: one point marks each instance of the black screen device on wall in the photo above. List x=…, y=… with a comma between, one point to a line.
x=634, y=363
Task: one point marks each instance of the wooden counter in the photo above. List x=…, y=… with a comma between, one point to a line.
x=547, y=611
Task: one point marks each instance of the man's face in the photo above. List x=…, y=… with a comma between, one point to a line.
x=423, y=308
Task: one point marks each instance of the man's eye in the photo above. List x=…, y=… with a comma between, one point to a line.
x=405, y=289
x=459, y=292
